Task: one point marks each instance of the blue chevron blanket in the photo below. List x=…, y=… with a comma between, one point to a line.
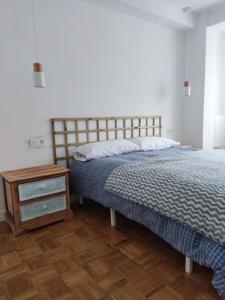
x=186, y=187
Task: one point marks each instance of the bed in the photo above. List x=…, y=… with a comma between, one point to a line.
x=88, y=180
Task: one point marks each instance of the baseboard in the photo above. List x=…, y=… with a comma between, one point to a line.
x=2, y=216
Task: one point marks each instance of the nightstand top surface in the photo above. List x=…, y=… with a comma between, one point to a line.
x=33, y=173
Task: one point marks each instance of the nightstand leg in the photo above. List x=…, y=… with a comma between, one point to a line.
x=113, y=217
x=19, y=232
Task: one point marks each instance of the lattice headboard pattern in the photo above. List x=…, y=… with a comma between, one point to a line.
x=70, y=132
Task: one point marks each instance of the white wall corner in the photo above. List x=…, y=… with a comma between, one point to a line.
x=216, y=16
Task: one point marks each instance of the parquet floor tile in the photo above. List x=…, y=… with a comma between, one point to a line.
x=171, y=270
x=53, y=288
x=97, y=269
x=9, y=260
x=37, y=262
x=20, y=269
x=7, y=247
x=29, y=252
x=85, y=259
x=3, y=293
x=126, y=292
x=42, y=275
x=20, y=287
x=113, y=260
x=165, y=293
x=24, y=242
x=185, y=287
x=112, y=281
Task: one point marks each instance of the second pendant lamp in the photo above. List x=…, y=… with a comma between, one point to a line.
x=38, y=74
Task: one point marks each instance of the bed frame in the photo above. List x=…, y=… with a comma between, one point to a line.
x=68, y=133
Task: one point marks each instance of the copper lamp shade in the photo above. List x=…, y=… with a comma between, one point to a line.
x=38, y=75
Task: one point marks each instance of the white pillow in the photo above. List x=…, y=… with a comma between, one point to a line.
x=154, y=143
x=103, y=149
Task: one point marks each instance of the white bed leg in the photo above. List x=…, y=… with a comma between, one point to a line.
x=113, y=217
x=80, y=200
x=188, y=264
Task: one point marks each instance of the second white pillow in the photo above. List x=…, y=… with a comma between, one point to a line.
x=154, y=143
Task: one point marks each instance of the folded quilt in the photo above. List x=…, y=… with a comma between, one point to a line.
x=186, y=187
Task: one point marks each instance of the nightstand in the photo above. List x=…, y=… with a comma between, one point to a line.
x=36, y=197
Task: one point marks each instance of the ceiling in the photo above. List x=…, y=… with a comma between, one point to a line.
x=196, y=5
x=167, y=13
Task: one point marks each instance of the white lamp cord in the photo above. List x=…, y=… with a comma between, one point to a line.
x=188, y=13
x=188, y=48
x=34, y=31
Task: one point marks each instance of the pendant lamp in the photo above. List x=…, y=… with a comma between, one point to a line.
x=38, y=74
x=187, y=88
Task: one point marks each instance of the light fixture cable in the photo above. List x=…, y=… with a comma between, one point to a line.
x=34, y=31
x=187, y=83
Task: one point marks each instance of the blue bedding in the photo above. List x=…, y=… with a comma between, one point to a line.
x=88, y=179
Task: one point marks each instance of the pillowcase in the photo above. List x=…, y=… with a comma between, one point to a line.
x=104, y=149
x=154, y=143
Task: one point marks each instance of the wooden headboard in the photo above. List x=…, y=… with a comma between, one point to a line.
x=70, y=132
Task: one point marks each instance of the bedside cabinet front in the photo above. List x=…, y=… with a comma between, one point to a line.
x=35, y=202
x=40, y=188
x=42, y=208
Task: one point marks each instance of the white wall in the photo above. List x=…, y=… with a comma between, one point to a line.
x=219, y=138
x=97, y=62
x=194, y=105
x=196, y=127
x=214, y=107
x=211, y=87
x=220, y=108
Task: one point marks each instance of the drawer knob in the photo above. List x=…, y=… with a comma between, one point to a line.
x=44, y=206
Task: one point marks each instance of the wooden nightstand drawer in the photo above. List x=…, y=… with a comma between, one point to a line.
x=42, y=208
x=41, y=188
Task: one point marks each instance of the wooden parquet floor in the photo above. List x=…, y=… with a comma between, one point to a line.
x=85, y=259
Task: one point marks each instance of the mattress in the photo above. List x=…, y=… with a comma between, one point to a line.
x=88, y=179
